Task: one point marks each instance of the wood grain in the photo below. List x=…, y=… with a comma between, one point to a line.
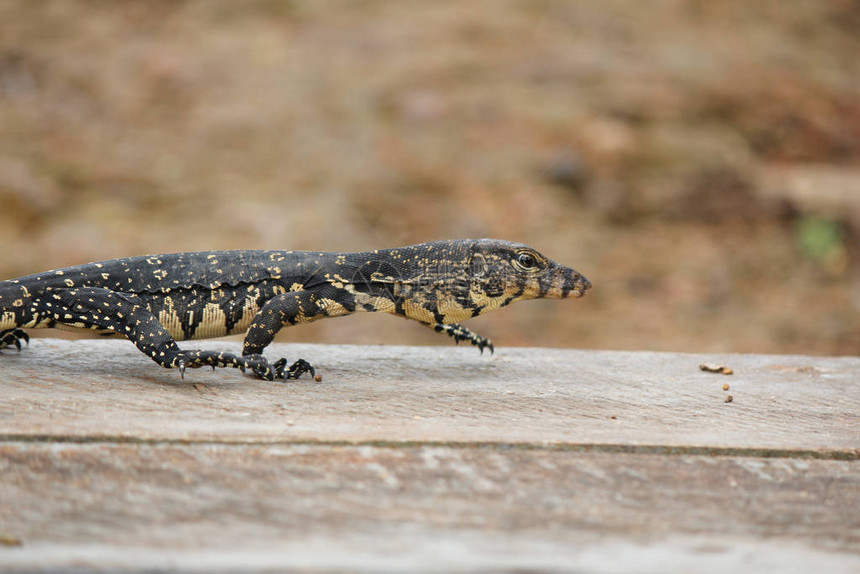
x=427, y=459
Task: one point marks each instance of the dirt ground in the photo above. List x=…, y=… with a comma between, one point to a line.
x=698, y=161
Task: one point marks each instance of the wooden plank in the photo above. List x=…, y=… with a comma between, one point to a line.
x=210, y=507
x=105, y=388
x=424, y=459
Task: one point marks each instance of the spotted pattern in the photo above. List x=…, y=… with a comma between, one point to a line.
x=157, y=300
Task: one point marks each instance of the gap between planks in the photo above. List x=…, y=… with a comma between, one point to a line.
x=663, y=450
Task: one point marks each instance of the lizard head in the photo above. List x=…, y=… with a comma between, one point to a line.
x=502, y=272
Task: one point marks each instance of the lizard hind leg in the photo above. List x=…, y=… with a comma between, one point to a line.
x=126, y=315
x=13, y=337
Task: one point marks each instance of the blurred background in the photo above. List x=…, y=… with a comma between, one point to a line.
x=699, y=161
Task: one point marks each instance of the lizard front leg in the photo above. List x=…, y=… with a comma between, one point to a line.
x=285, y=309
x=461, y=333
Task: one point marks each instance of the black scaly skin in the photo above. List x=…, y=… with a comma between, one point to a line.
x=157, y=300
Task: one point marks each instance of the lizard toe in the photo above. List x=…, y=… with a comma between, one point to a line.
x=294, y=371
x=301, y=366
x=259, y=366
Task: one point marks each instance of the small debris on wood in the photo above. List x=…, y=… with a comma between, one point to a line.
x=726, y=387
x=613, y=417
x=729, y=398
x=714, y=368
x=199, y=387
x=318, y=378
x=10, y=540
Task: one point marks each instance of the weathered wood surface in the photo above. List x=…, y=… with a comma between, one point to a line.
x=107, y=388
x=422, y=459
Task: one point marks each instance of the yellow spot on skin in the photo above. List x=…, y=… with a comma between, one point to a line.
x=7, y=320
x=452, y=311
x=214, y=323
x=380, y=304
x=417, y=312
x=171, y=320
x=556, y=289
x=332, y=308
x=249, y=311
x=481, y=299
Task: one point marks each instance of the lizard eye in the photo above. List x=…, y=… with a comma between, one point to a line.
x=526, y=260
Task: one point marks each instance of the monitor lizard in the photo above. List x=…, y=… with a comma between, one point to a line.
x=157, y=300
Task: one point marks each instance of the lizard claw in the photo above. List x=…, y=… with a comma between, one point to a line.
x=310, y=368
x=13, y=337
x=280, y=372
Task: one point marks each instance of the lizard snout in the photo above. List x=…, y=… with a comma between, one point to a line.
x=569, y=283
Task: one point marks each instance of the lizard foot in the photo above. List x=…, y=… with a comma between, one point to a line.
x=461, y=333
x=277, y=370
x=13, y=337
x=196, y=359
x=256, y=363
x=294, y=371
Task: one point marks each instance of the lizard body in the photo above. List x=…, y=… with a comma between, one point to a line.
x=157, y=300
